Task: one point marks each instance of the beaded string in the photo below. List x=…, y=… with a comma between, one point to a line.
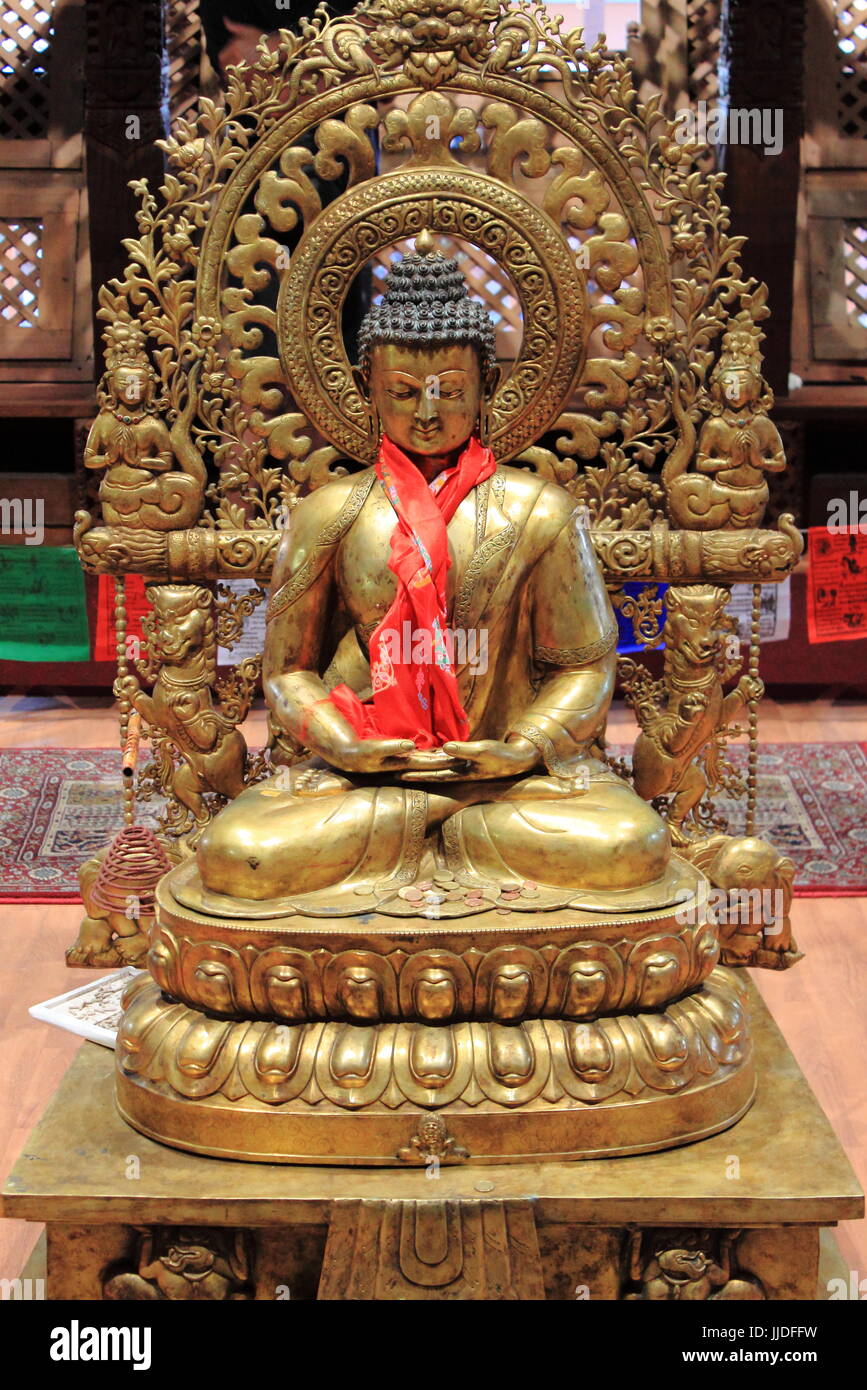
x=128, y=733
x=753, y=708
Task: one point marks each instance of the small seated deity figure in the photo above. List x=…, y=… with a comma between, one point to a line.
x=441, y=642
x=737, y=447
x=141, y=487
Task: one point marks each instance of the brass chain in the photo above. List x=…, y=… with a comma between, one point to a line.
x=124, y=703
x=753, y=707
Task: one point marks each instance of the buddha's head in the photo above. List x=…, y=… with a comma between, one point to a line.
x=131, y=384
x=738, y=386
x=736, y=380
x=427, y=366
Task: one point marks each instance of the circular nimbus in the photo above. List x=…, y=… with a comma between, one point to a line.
x=452, y=202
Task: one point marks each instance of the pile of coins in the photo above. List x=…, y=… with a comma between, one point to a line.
x=429, y=894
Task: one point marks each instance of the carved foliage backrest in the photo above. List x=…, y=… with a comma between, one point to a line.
x=637, y=383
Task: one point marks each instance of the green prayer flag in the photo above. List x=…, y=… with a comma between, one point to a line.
x=43, y=614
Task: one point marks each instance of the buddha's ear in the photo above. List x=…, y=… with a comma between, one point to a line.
x=362, y=381
x=492, y=379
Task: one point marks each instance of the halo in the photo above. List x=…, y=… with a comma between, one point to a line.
x=453, y=202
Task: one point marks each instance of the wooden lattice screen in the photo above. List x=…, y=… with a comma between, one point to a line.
x=855, y=274
x=837, y=225
x=830, y=343
x=676, y=49
x=25, y=41
x=703, y=46
x=190, y=75
x=850, y=18
x=45, y=332
x=20, y=272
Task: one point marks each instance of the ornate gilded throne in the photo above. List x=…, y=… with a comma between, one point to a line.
x=454, y=1024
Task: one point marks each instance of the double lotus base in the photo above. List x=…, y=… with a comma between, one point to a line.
x=380, y=1040
x=392, y=1094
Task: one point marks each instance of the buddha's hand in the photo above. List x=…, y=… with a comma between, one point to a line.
x=491, y=757
x=373, y=755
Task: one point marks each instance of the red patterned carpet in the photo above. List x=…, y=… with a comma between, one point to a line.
x=59, y=805
x=812, y=805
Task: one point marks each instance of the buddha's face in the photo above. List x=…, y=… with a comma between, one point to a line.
x=131, y=385
x=427, y=399
x=738, y=386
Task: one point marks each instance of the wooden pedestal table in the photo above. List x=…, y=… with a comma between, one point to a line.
x=738, y=1215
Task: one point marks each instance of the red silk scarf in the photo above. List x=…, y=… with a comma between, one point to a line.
x=415, y=691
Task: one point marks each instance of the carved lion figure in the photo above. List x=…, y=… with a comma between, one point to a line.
x=183, y=649
x=675, y=754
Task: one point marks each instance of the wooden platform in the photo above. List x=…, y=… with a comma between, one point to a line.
x=777, y=1177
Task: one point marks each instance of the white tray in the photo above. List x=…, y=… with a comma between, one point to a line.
x=92, y=1011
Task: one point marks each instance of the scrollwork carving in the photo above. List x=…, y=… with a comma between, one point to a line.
x=728, y=557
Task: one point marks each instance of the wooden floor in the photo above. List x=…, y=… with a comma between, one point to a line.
x=820, y=1005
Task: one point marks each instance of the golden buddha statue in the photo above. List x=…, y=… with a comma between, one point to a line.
x=390, y=587
x=441, y=930
x=444, y=899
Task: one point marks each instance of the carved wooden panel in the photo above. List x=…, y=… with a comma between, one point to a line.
x=850, y=33
x=835, y=80
x=837, y=240
x=828, y=336
x=39, y=231
x=703, y=48
x=190, y=75
x=25, y=26
x=44, y=283
x=41, y=90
